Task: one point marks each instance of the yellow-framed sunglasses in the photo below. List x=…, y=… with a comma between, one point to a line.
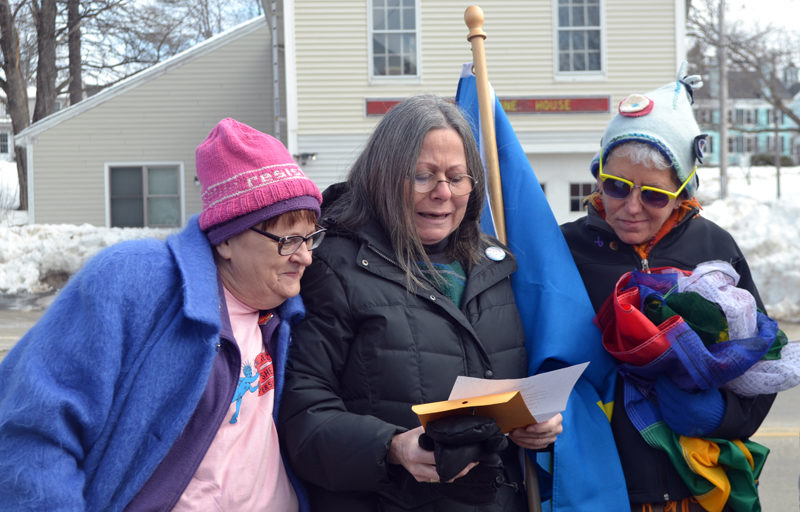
x=620, y=188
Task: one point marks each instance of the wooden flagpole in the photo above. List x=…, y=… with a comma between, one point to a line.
x=473, y=17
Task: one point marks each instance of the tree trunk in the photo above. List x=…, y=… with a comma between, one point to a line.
x=74, y=45
x=15, y=89
x=46, y=65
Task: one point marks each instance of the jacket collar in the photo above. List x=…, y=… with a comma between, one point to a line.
x=193, y=256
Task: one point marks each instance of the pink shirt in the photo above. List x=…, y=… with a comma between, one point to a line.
x=243, y=469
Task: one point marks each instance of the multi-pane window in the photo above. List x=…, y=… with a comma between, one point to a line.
x=394, y=38
x=704, y=115
x=577, y=193
x=4, y=142
x=145, y=196
x=579, y=35
x=736, y=144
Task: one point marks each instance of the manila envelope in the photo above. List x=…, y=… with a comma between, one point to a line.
x=508, y=409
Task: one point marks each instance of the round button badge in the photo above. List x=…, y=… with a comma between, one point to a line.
x=495, y=253
x=636, y=105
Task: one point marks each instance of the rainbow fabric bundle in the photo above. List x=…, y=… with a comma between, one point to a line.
x=700, y=331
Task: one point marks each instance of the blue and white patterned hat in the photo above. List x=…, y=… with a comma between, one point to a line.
x=664, y=119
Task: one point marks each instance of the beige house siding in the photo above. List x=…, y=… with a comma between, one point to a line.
x=641, y=44
x=159, y=121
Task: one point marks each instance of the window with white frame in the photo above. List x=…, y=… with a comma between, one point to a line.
x=577, y=193
x=394, y=38
x=145, y=196
x=579, y=36
x=4, y=143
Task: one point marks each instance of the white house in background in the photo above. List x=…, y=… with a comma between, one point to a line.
x=6, y=130
x=559, y=66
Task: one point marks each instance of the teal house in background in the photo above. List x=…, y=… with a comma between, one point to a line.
x=755, y=127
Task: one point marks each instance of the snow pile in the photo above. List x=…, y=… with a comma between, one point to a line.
x=38, y=258
x=766, y=229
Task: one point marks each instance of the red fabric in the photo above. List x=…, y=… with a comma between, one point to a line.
x=628, y=334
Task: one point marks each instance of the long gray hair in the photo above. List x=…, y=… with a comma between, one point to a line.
x=381, y=180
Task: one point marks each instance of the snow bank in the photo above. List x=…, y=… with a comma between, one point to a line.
x=38, y=258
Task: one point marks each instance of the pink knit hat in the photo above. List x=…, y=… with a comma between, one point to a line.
x=248, y=177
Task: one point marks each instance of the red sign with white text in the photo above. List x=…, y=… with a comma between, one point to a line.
x=575, y=105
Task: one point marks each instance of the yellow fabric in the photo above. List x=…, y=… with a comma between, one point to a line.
x=702, y=457
x=608, y=408
x=747, y=454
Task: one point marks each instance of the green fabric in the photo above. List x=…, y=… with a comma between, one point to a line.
x=774, y=351
x=449, y=279
x=743, y=478
x=701, y=315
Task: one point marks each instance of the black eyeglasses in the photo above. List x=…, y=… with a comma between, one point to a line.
x=460, y=184
x=288, y=245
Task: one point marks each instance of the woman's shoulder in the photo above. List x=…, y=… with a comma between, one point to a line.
x=130, y=254
x=132, y=268
x=703, y=228
x=572, y=229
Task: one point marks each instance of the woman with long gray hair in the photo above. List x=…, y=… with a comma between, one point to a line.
x=405, y=295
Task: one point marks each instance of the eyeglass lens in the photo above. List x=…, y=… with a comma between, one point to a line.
x=459, y=185
x=620, y=190
x=291, y=244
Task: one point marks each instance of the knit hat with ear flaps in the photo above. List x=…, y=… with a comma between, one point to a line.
x=664, y=119
x=248, y=177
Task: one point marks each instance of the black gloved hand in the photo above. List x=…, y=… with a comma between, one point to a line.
x=458, y=440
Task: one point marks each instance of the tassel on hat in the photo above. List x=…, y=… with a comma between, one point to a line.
x=248, y=177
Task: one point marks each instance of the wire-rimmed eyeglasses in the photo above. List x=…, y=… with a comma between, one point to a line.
x=460, y=184
x=288, y=245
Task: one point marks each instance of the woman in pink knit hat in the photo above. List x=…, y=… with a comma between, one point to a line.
x=152, y=381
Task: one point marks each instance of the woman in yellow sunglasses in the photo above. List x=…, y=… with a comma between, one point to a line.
x=644, y=215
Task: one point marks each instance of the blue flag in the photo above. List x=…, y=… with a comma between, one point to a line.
x=557, y=317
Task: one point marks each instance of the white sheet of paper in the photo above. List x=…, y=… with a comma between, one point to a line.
x=545, y=394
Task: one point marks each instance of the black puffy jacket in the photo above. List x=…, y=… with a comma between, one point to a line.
x=367, y=351
x=602, y=258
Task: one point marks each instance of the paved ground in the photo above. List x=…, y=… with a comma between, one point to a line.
x=780, y=432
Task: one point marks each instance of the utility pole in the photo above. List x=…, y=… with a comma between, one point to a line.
x=722, y=56
x=778, y=151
